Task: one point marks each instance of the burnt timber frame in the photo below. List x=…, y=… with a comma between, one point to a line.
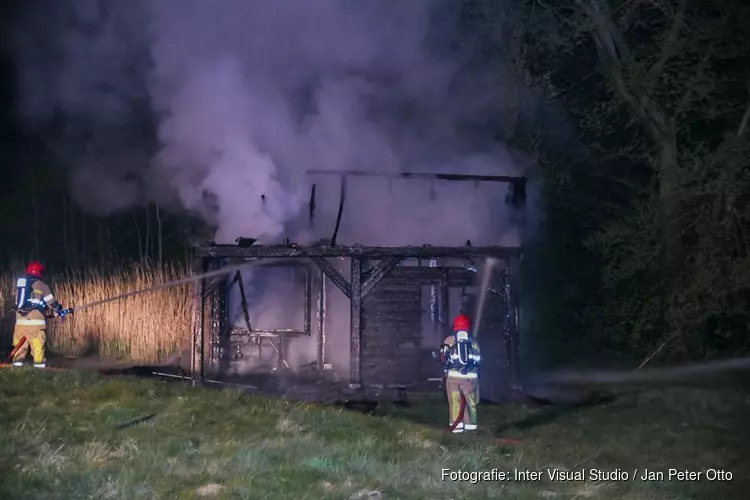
x=363, y=282
x=248, y=334
x=306, y=324
x=360, y=284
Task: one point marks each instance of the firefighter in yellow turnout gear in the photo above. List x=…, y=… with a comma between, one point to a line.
x=460, y=356
x=35, y=304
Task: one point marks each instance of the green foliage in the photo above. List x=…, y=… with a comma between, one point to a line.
x=659, y=94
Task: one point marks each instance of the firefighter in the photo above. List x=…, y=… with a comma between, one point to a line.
x=35, y=304
x=460, y=356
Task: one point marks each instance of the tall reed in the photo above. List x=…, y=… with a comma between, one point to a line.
x=144, y=328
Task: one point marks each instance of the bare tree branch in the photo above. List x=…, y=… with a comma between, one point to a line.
x=700, y=69
x=614, y=53
x=670, y=43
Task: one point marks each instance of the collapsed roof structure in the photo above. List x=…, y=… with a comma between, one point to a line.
x=389, y=292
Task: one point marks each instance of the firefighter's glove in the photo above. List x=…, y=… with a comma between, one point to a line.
x=444, y=355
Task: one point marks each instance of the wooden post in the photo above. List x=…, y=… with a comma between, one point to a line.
x=355, y=360
x=198, y=344
x=513, y=348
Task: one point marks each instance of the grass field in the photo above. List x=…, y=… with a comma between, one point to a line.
x=63, y=437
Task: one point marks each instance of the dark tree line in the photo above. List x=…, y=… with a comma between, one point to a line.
x=40, y=220
x=637, y=115
x=659, y=94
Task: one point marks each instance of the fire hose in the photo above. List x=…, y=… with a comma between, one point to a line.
x=462, y=408
x=22, y=341
x=460, y=417
x=12, y=354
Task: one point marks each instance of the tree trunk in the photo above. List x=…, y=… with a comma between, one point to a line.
x=148, y=233
x=668, y=177
x=617, y=59
x=74, y=234
x=66, y=249
x=138, y=232
x=159, y=233
x=111, y=252
x=102, y=245
x=85, y=245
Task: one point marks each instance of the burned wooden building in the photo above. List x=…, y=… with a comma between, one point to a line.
x=373, y=314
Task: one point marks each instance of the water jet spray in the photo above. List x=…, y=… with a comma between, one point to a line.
x=652, y=375
x=484, y=286
x=168, y=284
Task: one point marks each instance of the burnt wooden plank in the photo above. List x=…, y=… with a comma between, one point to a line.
x=391, y=334
x=385, y=339
x=387, y=336
x=395, y=307
x=394, y=300
x=386, y=324
x=391, y=353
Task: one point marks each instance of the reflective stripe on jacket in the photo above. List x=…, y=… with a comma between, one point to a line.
x=40, y=294
x=458, y=374
x=25, y=321
x=474, y=373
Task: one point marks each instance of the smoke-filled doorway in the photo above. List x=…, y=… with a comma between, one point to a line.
x=265, y=325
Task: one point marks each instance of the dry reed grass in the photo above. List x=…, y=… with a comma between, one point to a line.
x=144, y=328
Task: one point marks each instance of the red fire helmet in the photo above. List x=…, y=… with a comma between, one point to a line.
x=36, y=269
x=462, y=323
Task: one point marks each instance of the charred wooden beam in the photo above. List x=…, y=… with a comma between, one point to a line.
x=198, y=341
x=332, y=274
x=417, y=175
x=342, y=200
x=322, y=251
x=311, y=206
x=322, y=322
x=243, y=299
x=452, y=276
x=355, y=351
x=514, y=300
x=445, y=303
x=245, y=242
x=224, y=345
x=241, y=333
x=308, y=302
x=280, y=263
x=379, y=272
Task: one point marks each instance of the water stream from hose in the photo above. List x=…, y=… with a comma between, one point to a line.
x=485, y=276
x=168, y=284
x=659, y=375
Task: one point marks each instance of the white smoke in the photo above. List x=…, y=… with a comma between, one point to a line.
x=245, y=96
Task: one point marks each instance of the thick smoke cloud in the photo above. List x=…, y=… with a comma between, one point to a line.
x=219, y=108
x=244, y=96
